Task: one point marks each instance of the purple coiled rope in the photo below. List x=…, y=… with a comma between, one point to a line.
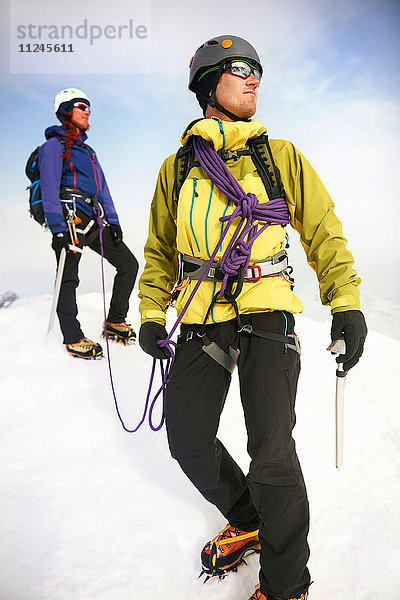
x=248, y=208
x=237, y=254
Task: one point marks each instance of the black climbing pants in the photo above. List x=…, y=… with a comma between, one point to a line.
x=272, y=497
x=120, y=257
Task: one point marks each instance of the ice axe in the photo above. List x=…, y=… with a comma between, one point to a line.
x=57, y=285
x=339, y=347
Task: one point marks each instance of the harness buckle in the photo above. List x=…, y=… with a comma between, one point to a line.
x=246, y=328
x=200, y=335
x=229, y=154
x=258, y=276
x=189, y=336
x=296, y=339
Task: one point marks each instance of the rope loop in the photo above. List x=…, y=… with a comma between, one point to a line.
x=235, y=259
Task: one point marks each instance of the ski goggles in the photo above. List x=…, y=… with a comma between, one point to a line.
x=82, y=106
x=242, y=69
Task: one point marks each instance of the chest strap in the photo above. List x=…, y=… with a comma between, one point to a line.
x=273, y=265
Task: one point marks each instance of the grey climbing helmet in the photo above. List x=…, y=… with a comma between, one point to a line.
x=218, y=49
x=208, y=62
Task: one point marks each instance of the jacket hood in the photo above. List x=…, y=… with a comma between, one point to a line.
x=60, y=130
x=224, y=134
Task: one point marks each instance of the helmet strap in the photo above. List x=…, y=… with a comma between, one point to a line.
x=211, y=98
x=228, y=113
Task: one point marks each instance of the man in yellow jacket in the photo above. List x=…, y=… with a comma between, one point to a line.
x=245, y=318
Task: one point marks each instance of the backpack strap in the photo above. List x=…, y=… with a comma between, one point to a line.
x=184, y=161
x=63, y=143
x=268, y=171
x=261, y=155
x=89, y=149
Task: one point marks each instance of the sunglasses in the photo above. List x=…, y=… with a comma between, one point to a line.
x=243, y=69
x=82, y=106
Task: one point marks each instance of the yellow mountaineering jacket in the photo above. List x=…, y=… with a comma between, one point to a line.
x=191, y=226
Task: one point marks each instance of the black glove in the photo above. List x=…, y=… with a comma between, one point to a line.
x=60, y=240
x=350, y=325
x=149, y=333
x=116, y=233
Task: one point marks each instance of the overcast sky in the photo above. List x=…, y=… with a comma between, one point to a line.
x=330, y=85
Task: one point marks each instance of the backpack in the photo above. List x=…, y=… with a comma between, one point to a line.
x=33, y=174
x=35, y=196
x=258, y=149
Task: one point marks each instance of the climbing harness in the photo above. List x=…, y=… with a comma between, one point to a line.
x=269, y=267
x=68, y=197
x=291, y=340
x=229, y=359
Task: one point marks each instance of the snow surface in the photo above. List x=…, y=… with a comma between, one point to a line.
x=89, y=512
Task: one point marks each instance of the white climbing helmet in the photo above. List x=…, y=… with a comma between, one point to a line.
x=68, y=95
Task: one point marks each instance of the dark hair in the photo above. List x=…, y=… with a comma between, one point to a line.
x=203, y=88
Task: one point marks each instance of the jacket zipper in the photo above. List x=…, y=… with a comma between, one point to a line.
x=191, y=212
x=206, y=221
x=93, y=161
x=74, y=172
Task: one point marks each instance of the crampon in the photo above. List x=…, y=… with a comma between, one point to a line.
x=227, y=551
x=259, y=595
x=120, y=332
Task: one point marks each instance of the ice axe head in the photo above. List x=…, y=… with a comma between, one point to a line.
x=338, y=347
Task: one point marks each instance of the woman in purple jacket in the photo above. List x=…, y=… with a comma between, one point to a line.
x=74, y=191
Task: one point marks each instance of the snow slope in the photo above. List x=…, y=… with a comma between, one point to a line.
x=89, y=512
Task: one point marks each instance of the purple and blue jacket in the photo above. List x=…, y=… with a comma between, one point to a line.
x=82, y=172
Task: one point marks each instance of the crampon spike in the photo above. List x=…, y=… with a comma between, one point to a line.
x=221, y=574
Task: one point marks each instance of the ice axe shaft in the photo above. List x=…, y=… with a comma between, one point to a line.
x=340, y=379
x=57, y=285
x=339, y=347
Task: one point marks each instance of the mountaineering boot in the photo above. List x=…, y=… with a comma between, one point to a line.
x=121, y=332
x=85, y=348
x=259, y=595
x=227, y=550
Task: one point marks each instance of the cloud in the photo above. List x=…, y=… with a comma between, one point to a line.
x=328, y=86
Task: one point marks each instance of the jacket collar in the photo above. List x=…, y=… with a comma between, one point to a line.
x=224, y=134
x=60, y=130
